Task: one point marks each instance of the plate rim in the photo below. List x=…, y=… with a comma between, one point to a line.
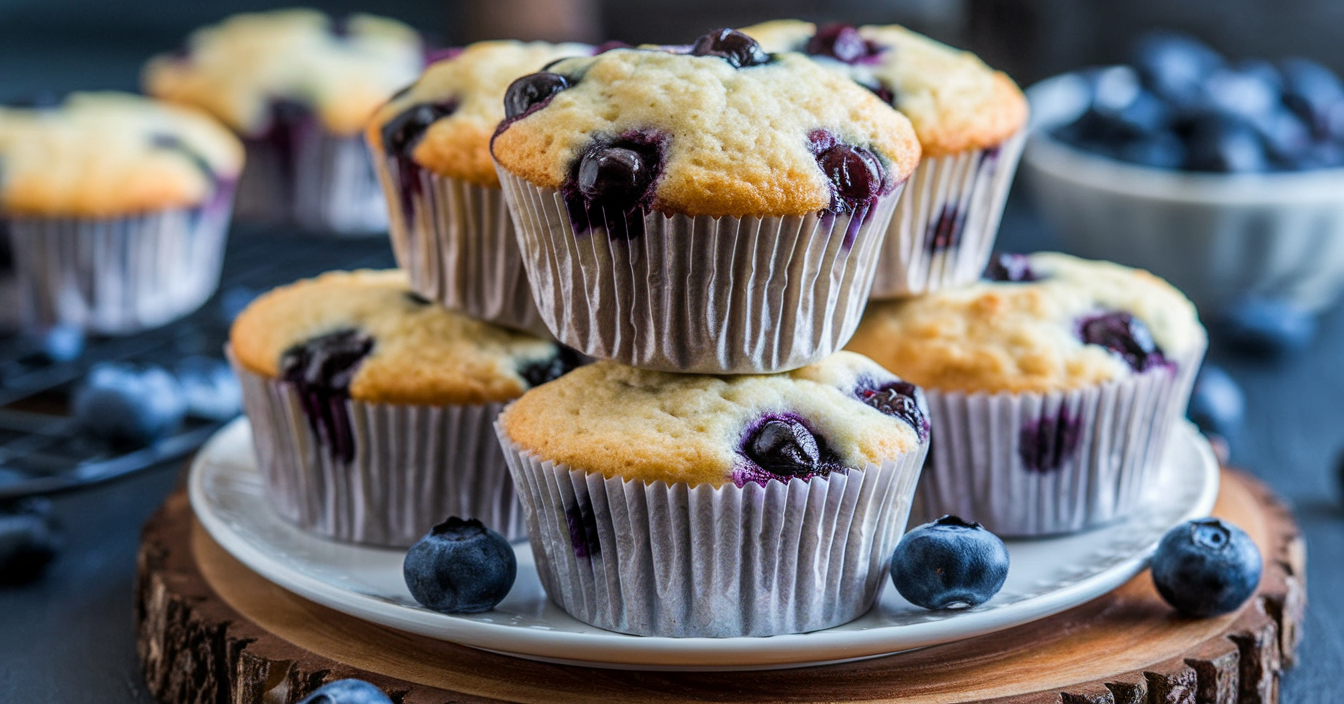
x=605, y=649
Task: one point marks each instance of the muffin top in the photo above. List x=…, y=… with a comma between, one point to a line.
x=365, y=334
x=955, y=101
x=111, y=155
x=838, y=414
x=339, y=69
x=1049, y=322
x=721, y=129
x=444, y=121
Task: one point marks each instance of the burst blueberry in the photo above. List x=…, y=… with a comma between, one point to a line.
x=532, y=90
x=841, y=42
x=614, y=176
x=321, y=370
x=1206, y=567
x=403, y=133
x=1009, y=267
x=565, y=361
x=900, y=399
x=460, y=567
x=349, y=691
x=785, y=447
x=949, y=564
x=854, y=172
x=738, y=49
x=1126, y=336
x=132, y=405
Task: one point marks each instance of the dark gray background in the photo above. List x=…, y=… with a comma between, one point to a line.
x=68, y=638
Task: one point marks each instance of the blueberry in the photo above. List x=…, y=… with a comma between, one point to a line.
x=841, y=42
x=854, y=172
x=900, y=399
x=1266, y=327
x=738, y=49
x=402, y=133
x=29, y=540
x=1206, y=567
x=784, y=446
x=614, y=176
x=1312, y=91
x=1240, y=94
x=565, y=361
x=1163, y=150
x=209, y=387
x=1124, y=335
x=1009, y=267
x=1174, y=65
x=532, y=90
x=347, y=692
x=949, y=564
x=233, y=300
x=126, y=404
x=460, y=567
x=1222, y=144
x=59, y=343
x=1216, y=403
x=321, y=370
x=883, y=92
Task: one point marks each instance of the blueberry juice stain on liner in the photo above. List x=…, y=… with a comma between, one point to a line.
x=1047, y=443
x=583, y=529
x=321, y=371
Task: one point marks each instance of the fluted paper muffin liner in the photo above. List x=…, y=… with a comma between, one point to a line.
x=1032, y=464
x=751, y=295
x=412, y=467
x=322, y=182
x=118, y=275
x=945, y=225
x=697, y=561
x=458, y=246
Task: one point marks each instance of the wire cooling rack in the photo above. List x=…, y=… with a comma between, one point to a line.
x=43, y=449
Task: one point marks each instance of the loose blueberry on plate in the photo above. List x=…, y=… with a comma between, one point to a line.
x=1266, y=327
x=59, y=343
x=1216, y=403
x=349, y=691
x=460, y=567
x=738, y=49
x=949, y=564
x=123, y=403
x=210, y=388
x=531, y=90
x=1206, y=567
x=29, y=540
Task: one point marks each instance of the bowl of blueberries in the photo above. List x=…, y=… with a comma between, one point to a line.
x=1224, y=177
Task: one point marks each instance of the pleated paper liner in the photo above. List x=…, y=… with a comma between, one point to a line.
x=321, y=182
x=749, y=295
x=456, y=241
x=118, y=275
x=675, y=560
x=411, y=466
x=1032, y=464
x=946, y=222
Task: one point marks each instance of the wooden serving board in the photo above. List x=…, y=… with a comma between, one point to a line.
x=210, y=630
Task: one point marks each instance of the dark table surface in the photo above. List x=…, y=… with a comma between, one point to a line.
x=69, y=636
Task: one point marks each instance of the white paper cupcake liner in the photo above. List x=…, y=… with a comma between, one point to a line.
x=705, y=295
x=458, y=246
x=957, y=201
x=1032, y=464
x=680, y=561
x=330, y=186
x=118, y=275
x=413, y=467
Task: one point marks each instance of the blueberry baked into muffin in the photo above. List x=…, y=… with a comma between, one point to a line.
x=971, y=122
x=783, y=495
x=709, y=209
x=116, y=207
x=1052, y=387
x=371, y=407
x=451, y=229
x=298, y=86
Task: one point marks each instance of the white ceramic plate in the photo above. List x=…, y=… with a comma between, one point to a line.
x=1047, y=576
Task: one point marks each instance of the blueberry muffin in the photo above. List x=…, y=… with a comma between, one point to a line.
x=970, y=120
x=451, y=229
x=1052, y=387
x=298, y=86
x=714, y=209
x=371, y=407
x=116, y=208
x=706, y=506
